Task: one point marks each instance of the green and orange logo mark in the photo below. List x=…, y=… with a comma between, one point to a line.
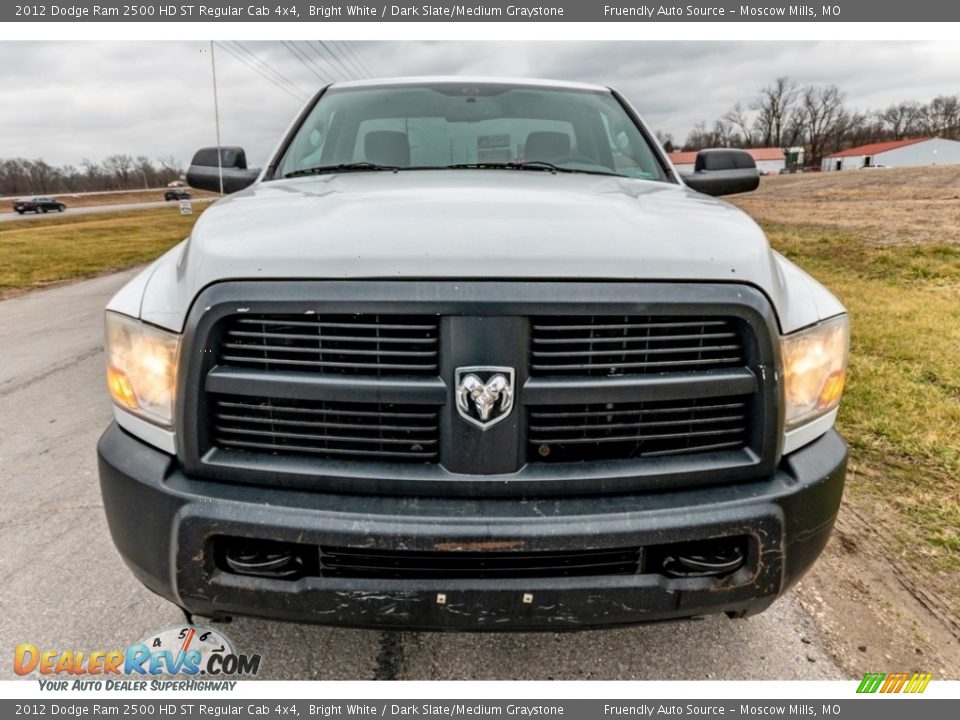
x=894, y=682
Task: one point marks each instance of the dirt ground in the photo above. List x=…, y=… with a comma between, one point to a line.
x=892, y=205
x=884, y=595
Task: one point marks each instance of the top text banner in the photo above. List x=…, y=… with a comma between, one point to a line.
x=449, y=11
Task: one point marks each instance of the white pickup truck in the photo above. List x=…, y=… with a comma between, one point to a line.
x=469, y=354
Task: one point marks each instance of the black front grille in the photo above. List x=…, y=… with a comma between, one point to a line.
x=350, y=386
x=400, y=433
x=596, y=345
x=414, y=565
x=611, y=431
x=375, y=345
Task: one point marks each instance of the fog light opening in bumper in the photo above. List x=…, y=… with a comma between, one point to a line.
x=265, y=558
x=714, y=558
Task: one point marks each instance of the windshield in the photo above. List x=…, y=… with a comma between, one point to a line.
x=453, y=124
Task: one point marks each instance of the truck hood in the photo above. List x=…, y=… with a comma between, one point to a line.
x=480, y=224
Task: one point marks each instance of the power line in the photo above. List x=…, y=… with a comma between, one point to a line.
x=304, y=60
x=359, y=58
x=343, y=68
x=327, y=65
x=316, y=59
x=235, y=54
x=348, y=57
x=263, y=69
x=269, y=68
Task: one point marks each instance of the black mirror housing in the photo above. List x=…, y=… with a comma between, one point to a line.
x=205, y=168
x=723, y=171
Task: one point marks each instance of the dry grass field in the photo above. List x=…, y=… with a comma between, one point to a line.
x=887, y=243
x=906, y=206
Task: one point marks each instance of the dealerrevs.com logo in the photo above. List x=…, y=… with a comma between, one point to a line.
x=185, y=651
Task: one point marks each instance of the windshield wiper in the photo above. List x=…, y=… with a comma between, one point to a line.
x=342, y=167
x=542, y=165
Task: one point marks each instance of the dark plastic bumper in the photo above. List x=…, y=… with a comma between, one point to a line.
x=163, y=524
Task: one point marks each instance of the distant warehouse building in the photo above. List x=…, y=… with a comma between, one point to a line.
x=769, y=160
x=896, y=153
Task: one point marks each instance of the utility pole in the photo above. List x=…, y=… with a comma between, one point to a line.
x=216, y=114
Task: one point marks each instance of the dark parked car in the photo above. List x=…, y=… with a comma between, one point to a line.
x=176, y=194
x=38, y=205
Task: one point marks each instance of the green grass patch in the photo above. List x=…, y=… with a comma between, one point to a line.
x=901, y=412
x=38, y=252
x=900, y=265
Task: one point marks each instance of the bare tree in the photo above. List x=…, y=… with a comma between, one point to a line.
x=901, y=119
x=147, y=173
x=120, y=168
x=666, y=140
x=774, y=108
x=737, y=118
x=941, y=117
x=821, y=119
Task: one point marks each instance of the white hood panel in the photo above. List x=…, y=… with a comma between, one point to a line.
x=479, y=224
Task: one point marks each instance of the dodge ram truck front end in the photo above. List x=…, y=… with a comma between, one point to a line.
x=545, y=387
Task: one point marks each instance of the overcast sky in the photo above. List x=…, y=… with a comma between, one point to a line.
x=64, y=102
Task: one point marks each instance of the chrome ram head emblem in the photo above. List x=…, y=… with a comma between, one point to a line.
x=484, y=402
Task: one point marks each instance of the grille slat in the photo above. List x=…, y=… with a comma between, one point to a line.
x=555, y=368
x=383, y=339
x=404, y=564
x=644, y=351
x=324, y=438
x=281, y=348
x=309, y=424
x=374, y=345
x=641, y=425
x=626, y=325
x=321, y=323
x=326, y=429
x=665, y=338
x=329, y=452
x=328, y=366
x=634, y=438
x=648, y=411
x=635, y=430
x=604, y=345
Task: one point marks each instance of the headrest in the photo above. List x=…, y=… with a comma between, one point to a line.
x=546, y=146
x=387, y=147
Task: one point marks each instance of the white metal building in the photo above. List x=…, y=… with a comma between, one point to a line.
x=895, y=153
x=769, y=160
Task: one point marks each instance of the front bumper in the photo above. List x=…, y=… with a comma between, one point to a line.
x=164, y=525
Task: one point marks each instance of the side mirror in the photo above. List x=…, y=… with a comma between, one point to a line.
x=204, y=172
x=723, y=171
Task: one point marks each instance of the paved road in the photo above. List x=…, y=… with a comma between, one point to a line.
x=88, y=210
x=62, y=584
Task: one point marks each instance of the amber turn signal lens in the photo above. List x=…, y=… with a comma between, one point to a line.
x=120, y=389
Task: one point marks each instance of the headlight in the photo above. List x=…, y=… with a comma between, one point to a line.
x=141, y=367
x=814, y=370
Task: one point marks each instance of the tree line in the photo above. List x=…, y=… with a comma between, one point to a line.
x=817, y=117
x=19, y=176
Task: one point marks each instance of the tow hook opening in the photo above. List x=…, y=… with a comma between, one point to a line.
x=714, y=558
x=264, y=558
